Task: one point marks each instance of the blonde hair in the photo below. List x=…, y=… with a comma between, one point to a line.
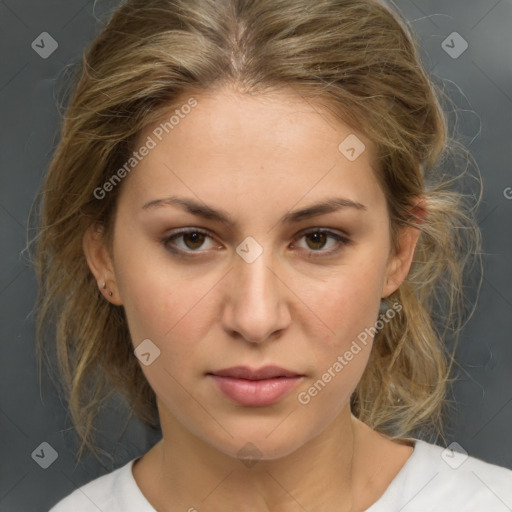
x=356, y=58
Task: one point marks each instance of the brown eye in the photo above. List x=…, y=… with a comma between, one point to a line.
x=196, y=239
x=192, y=241
x=317, y=239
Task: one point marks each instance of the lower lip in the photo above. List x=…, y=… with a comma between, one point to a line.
x=256, y=393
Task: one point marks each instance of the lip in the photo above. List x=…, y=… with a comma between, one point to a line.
x=255, y=387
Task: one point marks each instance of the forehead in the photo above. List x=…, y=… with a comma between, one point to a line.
x=270, y=121
x=237, y=144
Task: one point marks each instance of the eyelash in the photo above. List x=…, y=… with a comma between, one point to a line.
x=342, y=240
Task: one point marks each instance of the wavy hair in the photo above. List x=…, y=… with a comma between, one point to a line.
x=359, y=60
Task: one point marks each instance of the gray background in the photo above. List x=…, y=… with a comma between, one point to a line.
x=480, y=84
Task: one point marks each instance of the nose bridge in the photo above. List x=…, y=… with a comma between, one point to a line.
x=253, y=271
x=256, y=304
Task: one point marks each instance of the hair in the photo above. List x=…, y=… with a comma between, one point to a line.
x=359, y=61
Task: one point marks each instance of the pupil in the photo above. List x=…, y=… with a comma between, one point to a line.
x=319, y=238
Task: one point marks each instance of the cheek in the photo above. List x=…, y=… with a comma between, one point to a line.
x=349, y=307
x=175, y=313
x=340, y=354
x=157, y=295
x=349, y=303
x=172, y=318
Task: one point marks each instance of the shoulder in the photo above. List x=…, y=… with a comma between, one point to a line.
x=446, y=480
x=113, y=492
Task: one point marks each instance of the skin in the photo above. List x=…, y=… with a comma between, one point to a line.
x=257, y=158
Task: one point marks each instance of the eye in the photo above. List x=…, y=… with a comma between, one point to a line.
x=319, y=237
x=192, y=238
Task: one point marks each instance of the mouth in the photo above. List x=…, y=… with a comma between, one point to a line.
x=244, y=372
x=255, y=387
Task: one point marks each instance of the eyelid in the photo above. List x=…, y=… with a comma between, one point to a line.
x=320, y=229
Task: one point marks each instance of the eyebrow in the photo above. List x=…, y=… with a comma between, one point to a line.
x=208, y=212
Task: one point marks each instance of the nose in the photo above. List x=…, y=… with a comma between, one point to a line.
x=255, y=307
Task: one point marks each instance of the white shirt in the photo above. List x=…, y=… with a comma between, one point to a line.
x=433, y=479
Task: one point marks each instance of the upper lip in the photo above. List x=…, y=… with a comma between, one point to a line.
x=244, y=372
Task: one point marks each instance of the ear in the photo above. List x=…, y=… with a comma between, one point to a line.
x=100, y=263
x=400, y=263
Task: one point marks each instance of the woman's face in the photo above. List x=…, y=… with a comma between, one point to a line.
x=272, y=286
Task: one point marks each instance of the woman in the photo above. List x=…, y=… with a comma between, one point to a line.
x=246, y=234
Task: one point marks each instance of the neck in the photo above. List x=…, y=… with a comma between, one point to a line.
x=324, y=474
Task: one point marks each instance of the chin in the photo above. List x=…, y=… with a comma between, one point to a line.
x=263, y=443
